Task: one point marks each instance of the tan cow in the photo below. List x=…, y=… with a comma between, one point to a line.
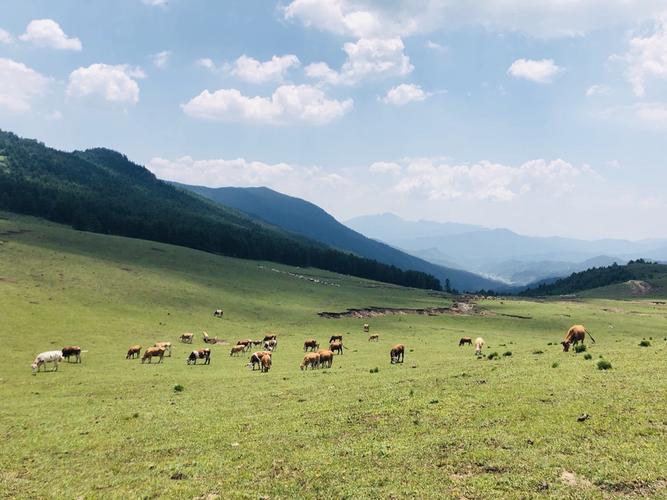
x=397, y=354
x=311, y=359
x=336, y=347
x=165, y=345
x=479, y=343
x=576, y=334
x=72, y=350
x=374, y=338
x=187, y=338
x=151, y=353
x=246, y=343
x=256, y=358
x=326, y=358
x=237, y=350
x=266, y=362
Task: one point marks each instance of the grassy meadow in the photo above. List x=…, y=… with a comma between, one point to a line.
x=443, y=424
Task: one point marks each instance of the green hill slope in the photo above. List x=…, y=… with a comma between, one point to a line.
x=102, y=191
x=638, y=278
x=309, y=220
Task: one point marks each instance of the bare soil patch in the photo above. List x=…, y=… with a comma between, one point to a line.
x=374, y=311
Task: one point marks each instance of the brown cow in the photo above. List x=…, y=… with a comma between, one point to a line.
x=152, y=352
x=237, y=350
x=271, y=345
x=133, y=351
x=334, y=338
x=256, y=342
x=374, y=338
x=246, y=343
x=187, y=338
x=165, y=345
x=326, y=358
x=204, y=354
x=256, y=359
x=397, y=353
x=310, y=344
x=311, y=359
x=266, y=362
x=464, y=341
x=269, y=337
x=72, y=350
x=576, y=334
x=336, y=347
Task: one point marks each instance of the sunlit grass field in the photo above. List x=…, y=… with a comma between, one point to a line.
x=443, y=424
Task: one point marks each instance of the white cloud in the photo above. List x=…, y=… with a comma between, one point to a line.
x=161, y=59
x=19, y=85
x=404, y=94
x=156, y=3
x=295, y=180
x=384, y=167
x=367, y=58
x=48, y=33
x=430, y=179
x=647, y=57
x=594, y=90
x=6, y=37
x=205, y=62
x=289, y=103
x=539, y=71
x=55, y=116
x=541, y=19
x=652, y=113
x=116, y=84
x=254, y=71
x=435, y=46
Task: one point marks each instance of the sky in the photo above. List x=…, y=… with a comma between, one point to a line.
x=547, y=118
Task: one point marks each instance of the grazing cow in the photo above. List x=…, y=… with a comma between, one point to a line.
x=164, y=345
x=374, y=338
x=310, y=344
x=479, y=343
x=311, y=359
x=269, y=337
x=204, y=354
x=54, y=357
x=367, y=328
x=336, y=346
x=246, y=343
x=218, y=313
x=209, y=340
x=134, y=351
x=187, y=338
x=576, y=334
x=72, y=350
x=326, y=358
x=465, y=341
x=270, y=345
x=266, y=362
x=335, y=338
x=151, y=353
x=237, y=350
x=256, y=359
x=256, y=342
x=397, y=354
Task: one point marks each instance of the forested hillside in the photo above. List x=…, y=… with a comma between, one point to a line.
x=100, y=190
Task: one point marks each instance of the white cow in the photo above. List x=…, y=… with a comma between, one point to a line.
x=479, y=343
x=47, y=357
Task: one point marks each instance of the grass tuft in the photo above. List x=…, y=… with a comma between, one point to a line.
x=555, y=364
x=493, y=355
x=588, y=356
x=579, y=348
x=538, y=352
x=374, y=370
x=645, y=343
x=603, y=364
x=507, y=353
x=178, y=388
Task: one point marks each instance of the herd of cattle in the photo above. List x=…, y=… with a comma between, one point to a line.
x=314, y=356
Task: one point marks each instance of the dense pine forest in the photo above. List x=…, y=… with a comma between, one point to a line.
x=100, y=190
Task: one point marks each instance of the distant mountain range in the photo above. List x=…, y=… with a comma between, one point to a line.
x=500, y=253
x=306, y=219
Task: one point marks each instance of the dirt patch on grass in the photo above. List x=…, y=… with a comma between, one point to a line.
x=4, y=279
x=571, y=479
x=14, y=232
x=638, y=287
x=373, y=311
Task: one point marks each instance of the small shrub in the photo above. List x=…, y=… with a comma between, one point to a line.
x=579, y=348
x=588, y=356
x=493, y=355
x=555, y=364
x=178, y=388
x=375, y=370
x=538, y=352
x=603, y=364
x=550, y=343
x=645, y=343
x=507, y=353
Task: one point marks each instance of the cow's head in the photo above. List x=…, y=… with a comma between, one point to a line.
x=566, y=345
x=34, y=367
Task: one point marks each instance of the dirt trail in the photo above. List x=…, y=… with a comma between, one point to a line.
x=373, y=311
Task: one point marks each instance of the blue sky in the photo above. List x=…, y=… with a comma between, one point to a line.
x=544, y=117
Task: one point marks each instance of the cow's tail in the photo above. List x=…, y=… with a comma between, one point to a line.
x=589, y=334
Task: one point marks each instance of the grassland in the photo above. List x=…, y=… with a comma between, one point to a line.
x=441, y=425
